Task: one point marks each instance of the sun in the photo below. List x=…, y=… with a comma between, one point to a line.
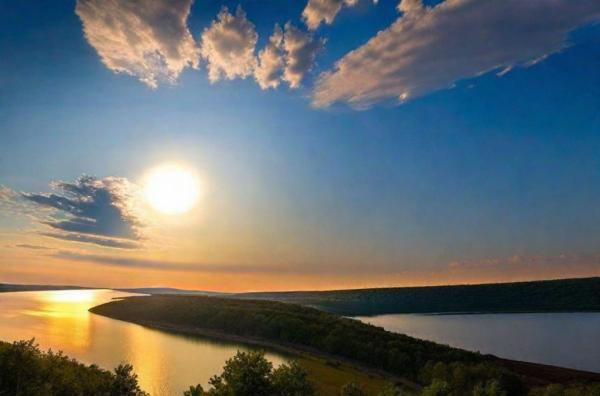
x=172, y=189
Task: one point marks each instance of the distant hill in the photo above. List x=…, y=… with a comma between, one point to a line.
x=580, y=294
x=7, y=287
x=170, y=290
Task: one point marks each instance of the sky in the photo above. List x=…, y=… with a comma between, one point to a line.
x=328, y=143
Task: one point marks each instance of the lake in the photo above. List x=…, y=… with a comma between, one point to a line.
x=166, y=364
x=560, y=339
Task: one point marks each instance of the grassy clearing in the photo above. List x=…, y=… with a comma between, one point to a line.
x=328, y=377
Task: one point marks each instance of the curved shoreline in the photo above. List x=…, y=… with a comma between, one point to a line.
x=536, y=374
x=290, y=349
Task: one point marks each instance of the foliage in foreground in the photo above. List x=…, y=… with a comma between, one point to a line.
x=571, y=390
x=251, y=374
x=27, y=371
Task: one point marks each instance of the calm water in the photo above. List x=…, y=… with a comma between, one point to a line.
x=560, y=339
x=165, y=363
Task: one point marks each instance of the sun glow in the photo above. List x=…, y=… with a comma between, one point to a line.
x=172, y=189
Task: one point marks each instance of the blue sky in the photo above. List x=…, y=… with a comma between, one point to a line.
x=449, y=185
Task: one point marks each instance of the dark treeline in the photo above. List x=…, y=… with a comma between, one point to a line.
x=581, y=294
x=7, y=287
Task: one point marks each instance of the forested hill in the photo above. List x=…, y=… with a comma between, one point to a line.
x=582, y=294
x=7, y=287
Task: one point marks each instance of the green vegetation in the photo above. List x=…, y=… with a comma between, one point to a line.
x=433, y=369
x=481, y=379
x=570, y=390
x=328, y=376
x=581, y=294
x=287, y=324
x=249, y=373
x=27, y=371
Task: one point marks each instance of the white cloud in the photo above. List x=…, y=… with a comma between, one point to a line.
x=149, y=39
x=270, y=64
x=319, y=11
x=410, y=6
x=228, y=46
x=301, y=49
x=428, y=49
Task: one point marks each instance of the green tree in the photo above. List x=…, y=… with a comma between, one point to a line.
x=390, y=390
x=437, y=387
x=352, y=389
x=126, y=382
x=291, y=380
x=245, y=374
x=194, y=391
x=27, y=371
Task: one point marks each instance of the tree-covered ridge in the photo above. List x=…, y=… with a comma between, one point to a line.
x=9, y=288
x=308, y=329
x=289, y=324
x=582, y=294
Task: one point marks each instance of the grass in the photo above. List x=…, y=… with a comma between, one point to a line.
x=328, y=378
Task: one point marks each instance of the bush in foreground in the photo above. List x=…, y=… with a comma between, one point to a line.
x=251, y=374
x=27, y=371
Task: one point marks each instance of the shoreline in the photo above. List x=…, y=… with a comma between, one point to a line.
x=286, y=349
x=535, y=374
x=474, y=313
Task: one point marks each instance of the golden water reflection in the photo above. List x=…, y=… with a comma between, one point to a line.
x=165, y=363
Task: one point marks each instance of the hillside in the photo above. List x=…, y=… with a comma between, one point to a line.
x=581, y=294
x=7, y=287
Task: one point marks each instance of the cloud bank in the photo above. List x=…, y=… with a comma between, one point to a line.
x=228, y=46
x=90, y=210
x=428, y=49
x=149, y=40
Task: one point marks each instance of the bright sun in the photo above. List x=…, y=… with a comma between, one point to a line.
x=172, y=189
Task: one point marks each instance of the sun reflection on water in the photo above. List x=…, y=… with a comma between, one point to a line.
x=65, y=316
x=166, y=363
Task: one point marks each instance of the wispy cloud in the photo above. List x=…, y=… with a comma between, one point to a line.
x=228, y=46
x=146, y=39
x=82, y=238
x=428, y=49
x=32, y=247
x=128, y=262
x=519, y=260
